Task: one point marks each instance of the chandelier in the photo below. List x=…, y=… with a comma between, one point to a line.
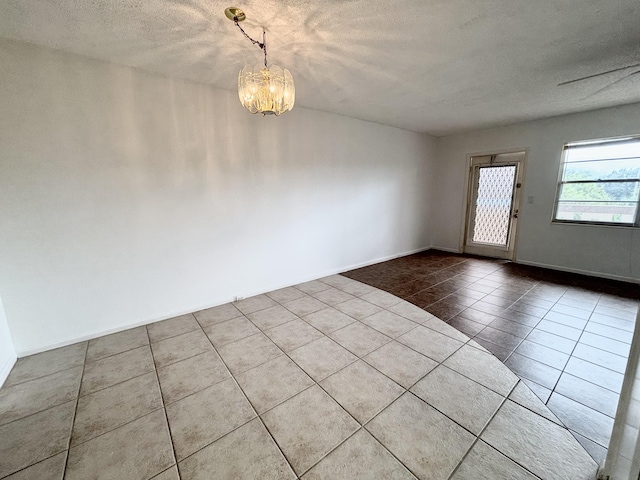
x=263, y=89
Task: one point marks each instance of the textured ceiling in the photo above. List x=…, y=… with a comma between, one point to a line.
x=435, y=66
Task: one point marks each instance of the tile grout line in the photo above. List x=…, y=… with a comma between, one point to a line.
x=75, y=411
x=164, y=409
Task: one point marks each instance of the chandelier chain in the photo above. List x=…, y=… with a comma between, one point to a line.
x=262, y=45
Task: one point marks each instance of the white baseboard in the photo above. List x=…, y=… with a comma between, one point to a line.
x=216, y=303
x=6, y=368
x=588, y=273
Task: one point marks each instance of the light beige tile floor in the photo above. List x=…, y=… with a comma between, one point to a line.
x=331, y=379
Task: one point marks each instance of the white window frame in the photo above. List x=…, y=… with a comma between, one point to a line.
x=603, y=141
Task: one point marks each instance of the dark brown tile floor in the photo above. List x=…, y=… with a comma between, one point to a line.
x=566, y=335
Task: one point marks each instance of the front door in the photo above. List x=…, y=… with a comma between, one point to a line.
x=492, y=214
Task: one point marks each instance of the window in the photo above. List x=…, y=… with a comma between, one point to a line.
x=600, y=182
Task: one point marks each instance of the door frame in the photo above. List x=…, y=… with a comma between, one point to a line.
x=468, y=192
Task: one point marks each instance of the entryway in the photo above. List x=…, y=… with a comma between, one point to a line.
x=494, y=199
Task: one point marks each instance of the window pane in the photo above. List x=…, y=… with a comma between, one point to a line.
x=614, y=150
x=605, y=212
x=601, y=192
x=602, y=170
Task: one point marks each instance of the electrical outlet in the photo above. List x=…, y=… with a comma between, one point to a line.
x=237, y=299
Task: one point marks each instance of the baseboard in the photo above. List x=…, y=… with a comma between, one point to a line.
x=588, y=273
x=447, y=249
x=6, y=369
x=216, y=303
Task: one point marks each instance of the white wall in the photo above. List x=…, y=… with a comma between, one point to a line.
x=128, y=197
x=7, y=352
x=608, y=251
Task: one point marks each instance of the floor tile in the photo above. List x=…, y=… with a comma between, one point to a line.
x=542, y=354
x=538, y=372
x=400, y=363
x=566, y=320
x=333, y=296
x=514, y=328
x=249, y=352
x=294, y=334
x=484, y=368
x=286, y=294
x=381, y=299
x=328, y=320
x=36, y=395
x=46, y=363
x=603, y=358
x=541, y=392
x=201, y=418
x=49, y=469
x=361, y=390
x=499, y=337
x=426, y=441
x=626, y=314
x=359, y=339
x=336, y=280
x=304, y=306
x=172, y=327
x=169, y=474
x=273, y=382
x=35, y=438
x=466, y=326
x=587, y=422
x=247, y=452
x=410, y=312
x=214, y=315
x=112, y=407
x=430, y=343
x=116, y=368
x=254, y=304
x=595, y=374
x=478, y=316
x=583, y=312
x=116, y=343
x=529, y=309
x=589, y=394
x=486, y=463
x=389, y=323
x=500, y=352
x=356, y=288
x=464, y=401
x=446, y=329
x=137, y=450
x=271, y=317
x=308, y=426
x=550, y=340
x=361, y=457
x=190, y=376
x=178, y=348
x=358, y=308
x=488, y=308
x=230, y=331
x=525, y=397
x=519, y=317
x=314, y=286
x=559, y=329
x=541, y=446
x=609, y=332
x=597, y=452
x=604, y=343
x=627, y=325
x=322, y=358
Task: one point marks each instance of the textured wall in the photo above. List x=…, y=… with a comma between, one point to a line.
x=607, y=251
x=128, y=197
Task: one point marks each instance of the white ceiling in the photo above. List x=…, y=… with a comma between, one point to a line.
x=435, y=66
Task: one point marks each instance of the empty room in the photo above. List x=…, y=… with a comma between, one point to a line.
x=344, y=240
